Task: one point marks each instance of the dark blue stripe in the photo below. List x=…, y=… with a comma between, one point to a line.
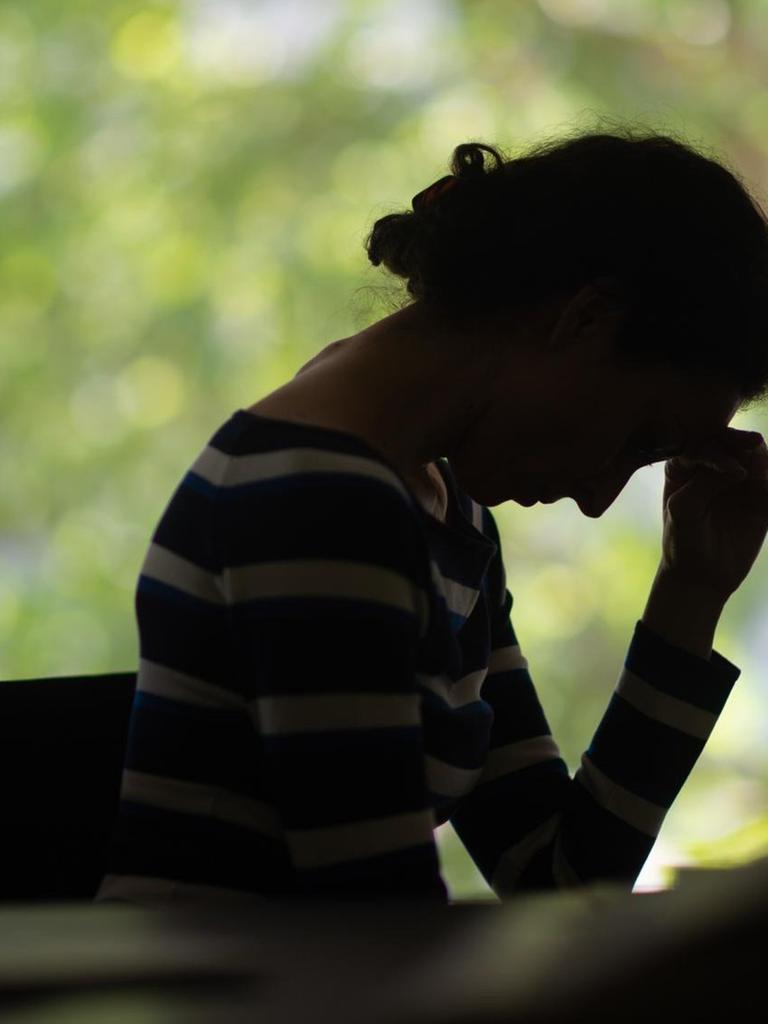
x=497, y=814
x=443, y=805
x=190, y=637
x=204, y=714
x=646, y=757
x=186, y=527
x=456, y=620
x=317, y=648
x=196, y=485
x=318, y=515
x=339, y=611
x=413, y=873
x=246, y=434
x=597, y=844
x=458, y=736
x=329, y=778
x=537, y=876
x=179, y=741
x=518, y=711
x=166, y=591
x=199, y=850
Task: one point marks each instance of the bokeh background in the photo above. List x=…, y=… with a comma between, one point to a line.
x=185, y=188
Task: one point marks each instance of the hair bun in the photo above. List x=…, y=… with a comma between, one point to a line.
x=469, y=159
x=394, y=240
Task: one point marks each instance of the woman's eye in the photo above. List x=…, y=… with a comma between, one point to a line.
x=657, y=445
x=651, y=452
x=646, y=458
x=659, y=453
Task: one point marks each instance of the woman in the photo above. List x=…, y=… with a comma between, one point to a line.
x=328, y=665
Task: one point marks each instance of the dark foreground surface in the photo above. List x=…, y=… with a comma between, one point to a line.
x=697, y=952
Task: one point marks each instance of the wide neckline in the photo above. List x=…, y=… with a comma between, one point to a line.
x=462, y=525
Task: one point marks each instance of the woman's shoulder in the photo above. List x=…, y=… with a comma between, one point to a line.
x=286, y=410
x=251, y=448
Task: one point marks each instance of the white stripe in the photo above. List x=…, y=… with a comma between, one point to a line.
x=195, y=798
x=211, y=464
x=477, y=515
x=317, y=577
x=162, y=681
x=258, y=467
x=456, y=694
x=514, y=756
x=503, y=659
x=467, y=689
x=315, y=847
x=167, y=567
x=662, y=707
x=154, y=892
x=445, y=779
x=280, y=716
x=459, y=598
x=514, y=860
x=642, y=814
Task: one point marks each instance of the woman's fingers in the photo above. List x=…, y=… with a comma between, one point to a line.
x=737, y=452
x=721, y=463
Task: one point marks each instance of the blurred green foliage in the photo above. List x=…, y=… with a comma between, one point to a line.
x=184, y=192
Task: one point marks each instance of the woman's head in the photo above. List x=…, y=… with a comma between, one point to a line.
x=676, y=233
x=642, y=266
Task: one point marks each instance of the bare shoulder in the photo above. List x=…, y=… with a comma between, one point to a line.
x=313, y=398
x=308, y=397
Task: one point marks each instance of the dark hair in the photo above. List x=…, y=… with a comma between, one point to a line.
x=675, y=232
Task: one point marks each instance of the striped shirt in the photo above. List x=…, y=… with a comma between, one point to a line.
x=327, y=672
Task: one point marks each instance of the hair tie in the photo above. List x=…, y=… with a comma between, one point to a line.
x=429, y=194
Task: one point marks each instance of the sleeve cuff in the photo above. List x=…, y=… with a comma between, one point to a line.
x=679, y=673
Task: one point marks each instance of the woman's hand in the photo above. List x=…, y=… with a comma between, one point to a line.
x=716, y=511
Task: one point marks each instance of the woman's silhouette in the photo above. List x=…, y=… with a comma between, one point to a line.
x=328, y=666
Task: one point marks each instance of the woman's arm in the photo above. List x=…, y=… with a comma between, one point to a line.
x=528, y=824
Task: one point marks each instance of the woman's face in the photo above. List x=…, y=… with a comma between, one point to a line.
x=586, y=433
x=550, y=415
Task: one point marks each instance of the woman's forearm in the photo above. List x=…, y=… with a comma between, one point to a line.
x=683, y=615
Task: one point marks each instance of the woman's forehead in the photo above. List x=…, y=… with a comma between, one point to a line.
x=693, y=408
x=706, y=410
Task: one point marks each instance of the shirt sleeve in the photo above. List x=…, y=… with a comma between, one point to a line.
x=527, y=824
x=326, y=576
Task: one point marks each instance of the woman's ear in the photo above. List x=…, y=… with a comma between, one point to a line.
x=589, y=318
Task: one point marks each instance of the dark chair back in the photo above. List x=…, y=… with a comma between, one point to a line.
x=62, y=744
